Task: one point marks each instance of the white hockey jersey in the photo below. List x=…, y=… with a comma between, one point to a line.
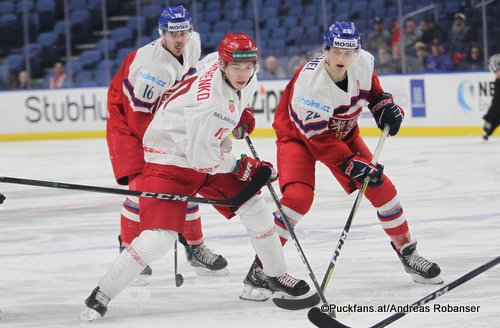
x=318, y=104
x=191, y=129
x=154, y=70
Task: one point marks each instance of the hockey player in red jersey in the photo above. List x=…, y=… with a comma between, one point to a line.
x=316, y=121
x=147, y=76
x=187, y=151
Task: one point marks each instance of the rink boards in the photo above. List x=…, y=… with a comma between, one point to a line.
x=450, y=104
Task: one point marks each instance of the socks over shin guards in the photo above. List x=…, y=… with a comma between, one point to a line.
x=393, y=221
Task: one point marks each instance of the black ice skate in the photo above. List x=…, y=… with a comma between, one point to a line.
x=288, y=285
x=97, y=306
x=486, y=130
x=420, y=269
x=204, y=261
x=256, y=285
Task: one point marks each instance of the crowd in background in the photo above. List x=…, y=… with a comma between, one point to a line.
x=427, y=48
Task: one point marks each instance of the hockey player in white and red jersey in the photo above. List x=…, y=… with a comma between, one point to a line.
x=316, y=121
x=147, y=76
x=187, y=151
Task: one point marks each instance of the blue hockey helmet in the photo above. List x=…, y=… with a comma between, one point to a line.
x=174, y=18
x=342, y=35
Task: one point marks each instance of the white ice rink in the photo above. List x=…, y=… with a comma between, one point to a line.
x=55, y=244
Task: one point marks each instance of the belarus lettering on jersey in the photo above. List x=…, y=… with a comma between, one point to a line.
x=318, y=105
x=191, y=129
x=154, y=71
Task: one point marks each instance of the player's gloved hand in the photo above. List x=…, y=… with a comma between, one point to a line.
x=2, y=198
x=246, y=124
x=358, y=168
x=247, y=167
x=385, y=111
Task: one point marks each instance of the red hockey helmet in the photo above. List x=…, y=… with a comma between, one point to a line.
x=238, y=47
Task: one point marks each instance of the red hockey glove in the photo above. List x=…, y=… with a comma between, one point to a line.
x=246, y=167
x=246, y=124
x=357, y=168
x=385, y=111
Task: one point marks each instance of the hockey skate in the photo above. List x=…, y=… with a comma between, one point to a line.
x=143, y=278
x=256, y=285
x=204, y=261
x=421, y=270
x=97, y=306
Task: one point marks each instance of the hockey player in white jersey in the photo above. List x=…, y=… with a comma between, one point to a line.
x=145, y=78
x=187, y=151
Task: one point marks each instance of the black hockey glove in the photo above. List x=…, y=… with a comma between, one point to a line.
x=385, y=111
x=358, y=168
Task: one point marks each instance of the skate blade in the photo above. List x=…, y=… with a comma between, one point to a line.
x=427, y=281
x=89, y=315
x=204, y=272
x=252, y=294
x=140, y=281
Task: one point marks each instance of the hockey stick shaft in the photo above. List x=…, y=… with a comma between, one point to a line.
x=245, y=194
x=354, y=209
x=441, y=291
x=289, y=227
x=322, y=320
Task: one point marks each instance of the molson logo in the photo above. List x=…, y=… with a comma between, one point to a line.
x=342, y=43
x=314, y=103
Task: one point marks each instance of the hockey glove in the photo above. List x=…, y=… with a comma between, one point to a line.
x=246, y=124
x=357, y=168
x=247, y=167
x=385, y=111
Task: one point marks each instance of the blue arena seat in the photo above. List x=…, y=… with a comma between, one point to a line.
x=90, y=59
x=123, y=37
x=15, y=62
x=7, y=7
x=47, y=11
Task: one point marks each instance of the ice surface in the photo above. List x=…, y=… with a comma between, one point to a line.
x=55, y=244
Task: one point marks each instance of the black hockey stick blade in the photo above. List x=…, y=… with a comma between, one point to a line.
x=323, y=320
x=2, y=198
x=297, y=303
x=257, y=182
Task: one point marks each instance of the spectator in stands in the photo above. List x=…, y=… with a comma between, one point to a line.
x=412, y=64
x=22, y=81
x=439, y=60
x=395, y=32
x=474, y=59
x=380, y=36
x=271, y=69
x=460, y=35
x=57, y=80
x=431, y=31
x=297, y=62
x=421, y=52
x=411, y=34
x=383, y=61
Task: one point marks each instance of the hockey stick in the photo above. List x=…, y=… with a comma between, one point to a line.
x=323, y=320
x=257, y=182
x=292, y=304
x=179, y=279
x=354, y=209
